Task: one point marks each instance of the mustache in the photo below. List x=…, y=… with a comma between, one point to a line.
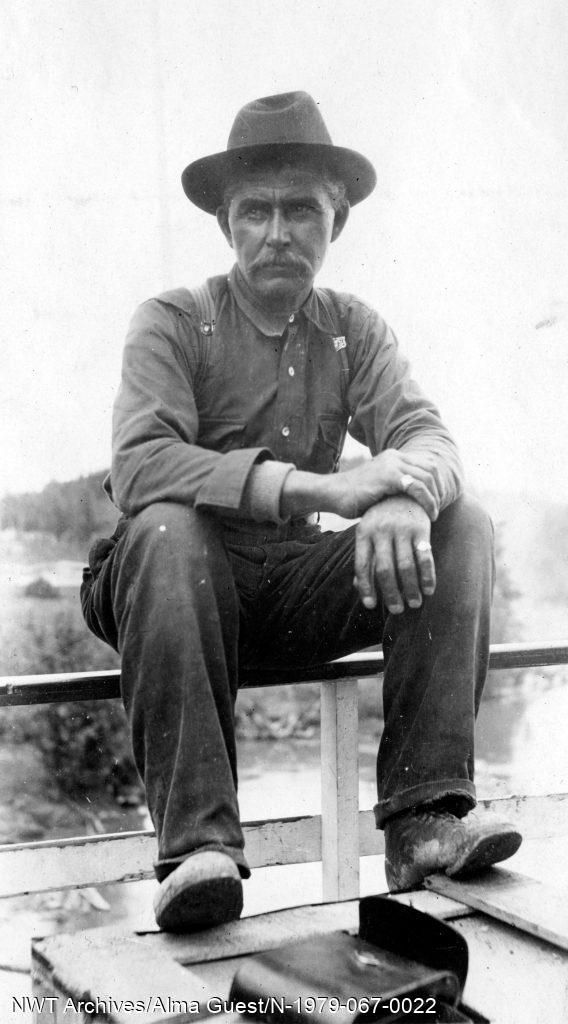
x=288, y=260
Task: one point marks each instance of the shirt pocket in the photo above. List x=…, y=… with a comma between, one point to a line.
x=328, y=445
x=221, y=435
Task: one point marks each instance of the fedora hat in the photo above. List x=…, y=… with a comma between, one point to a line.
x=287, y=128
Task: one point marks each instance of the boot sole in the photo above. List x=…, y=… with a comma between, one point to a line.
x=201, y=905
x=486, y=851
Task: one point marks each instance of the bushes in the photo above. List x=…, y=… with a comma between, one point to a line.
x=85, y=745
x=42, y=589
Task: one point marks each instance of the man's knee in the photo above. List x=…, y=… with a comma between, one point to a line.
x=467, y=522
x=175, y=549
x=462, y=539
x=172, y=527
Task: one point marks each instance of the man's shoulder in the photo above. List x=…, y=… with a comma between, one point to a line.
x=177, y=316
x=192, y=300
x=349, y=313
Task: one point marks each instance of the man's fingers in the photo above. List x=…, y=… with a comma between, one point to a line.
x=407, y=572
x=385, y=571
x=425, y=471
x=364, y=575
x=426, y=567
x=417, y=489
x=393, y=553
x=426, y=463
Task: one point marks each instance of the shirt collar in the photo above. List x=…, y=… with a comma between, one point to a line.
x=317, y=308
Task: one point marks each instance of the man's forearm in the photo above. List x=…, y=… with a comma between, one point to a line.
x=351, y=492
x=303, y=493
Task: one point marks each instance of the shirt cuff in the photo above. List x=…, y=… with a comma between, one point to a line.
x=238, y=484
x=261, y=497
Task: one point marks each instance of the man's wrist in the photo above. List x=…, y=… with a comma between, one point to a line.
x=303, y=493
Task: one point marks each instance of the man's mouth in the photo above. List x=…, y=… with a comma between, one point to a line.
x=281, y=272
x=280, y=266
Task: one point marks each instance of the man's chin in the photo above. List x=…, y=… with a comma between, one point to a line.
x=281, y=285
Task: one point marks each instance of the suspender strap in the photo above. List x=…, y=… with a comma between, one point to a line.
x=203, y=300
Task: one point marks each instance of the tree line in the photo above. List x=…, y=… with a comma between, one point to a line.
x=75, y=510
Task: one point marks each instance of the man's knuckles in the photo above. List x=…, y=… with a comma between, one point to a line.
x=386, y=578
x=406, y=567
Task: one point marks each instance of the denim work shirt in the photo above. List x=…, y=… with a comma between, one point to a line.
x=217, y=420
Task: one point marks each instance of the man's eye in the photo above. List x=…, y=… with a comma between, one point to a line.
x=255, y=212
x=301, y=209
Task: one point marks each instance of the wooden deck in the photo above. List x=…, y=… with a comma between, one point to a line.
x=514, y=977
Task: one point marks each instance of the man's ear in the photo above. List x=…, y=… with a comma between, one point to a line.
x=223, y=222
x=340, y=221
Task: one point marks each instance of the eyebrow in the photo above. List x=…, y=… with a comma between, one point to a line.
x=307, y=198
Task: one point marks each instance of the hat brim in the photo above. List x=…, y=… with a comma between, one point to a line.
x=204, y=181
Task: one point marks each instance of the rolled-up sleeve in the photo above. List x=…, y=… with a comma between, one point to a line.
x=389, y=410
x=156, y=425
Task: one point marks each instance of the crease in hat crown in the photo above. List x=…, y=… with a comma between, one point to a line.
x=287, y=127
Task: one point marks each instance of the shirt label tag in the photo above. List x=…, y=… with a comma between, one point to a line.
x=339, y=343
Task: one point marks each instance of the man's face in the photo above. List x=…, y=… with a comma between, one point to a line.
x=280, y=224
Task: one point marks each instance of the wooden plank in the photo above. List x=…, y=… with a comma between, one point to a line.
x=283, y=841
x=339, y=790
x=256, y=933
x=538, y=909
x=429, y=902
x=128, y=856
x=533, y=655
x=110, y=972
x=537, y=817
x=513, y=978
x=56, y=687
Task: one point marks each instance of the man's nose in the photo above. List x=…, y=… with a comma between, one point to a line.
x=278, y=233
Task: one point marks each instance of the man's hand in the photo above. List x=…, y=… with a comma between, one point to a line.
x=356, y=490
x=393, y=554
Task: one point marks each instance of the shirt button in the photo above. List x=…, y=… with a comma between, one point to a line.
x=285, y=431
x=291, y=371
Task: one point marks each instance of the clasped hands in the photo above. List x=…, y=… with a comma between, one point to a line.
x=392, y=548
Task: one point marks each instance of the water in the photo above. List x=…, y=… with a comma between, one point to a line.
x=520, y=748
x=521, y=741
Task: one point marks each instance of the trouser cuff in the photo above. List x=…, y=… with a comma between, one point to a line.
x=426, y=793
x=164, y=867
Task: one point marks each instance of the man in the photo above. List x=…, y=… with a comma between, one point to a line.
x=228, y=428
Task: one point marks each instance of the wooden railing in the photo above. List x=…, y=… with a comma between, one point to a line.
x=337, y=838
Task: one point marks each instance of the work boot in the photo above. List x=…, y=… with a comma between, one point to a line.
x=205, y=890
x=423, y=841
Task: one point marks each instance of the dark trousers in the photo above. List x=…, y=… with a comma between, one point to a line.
x=187, y=600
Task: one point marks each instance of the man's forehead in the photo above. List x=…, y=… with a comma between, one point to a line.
x=290, y=181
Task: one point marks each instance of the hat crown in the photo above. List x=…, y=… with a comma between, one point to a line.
x=286, y=118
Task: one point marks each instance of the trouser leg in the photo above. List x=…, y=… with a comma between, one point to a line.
x=165, y=598
x=436, y=656
x=436, y=660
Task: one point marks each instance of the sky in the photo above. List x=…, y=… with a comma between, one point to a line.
x=463, y=109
